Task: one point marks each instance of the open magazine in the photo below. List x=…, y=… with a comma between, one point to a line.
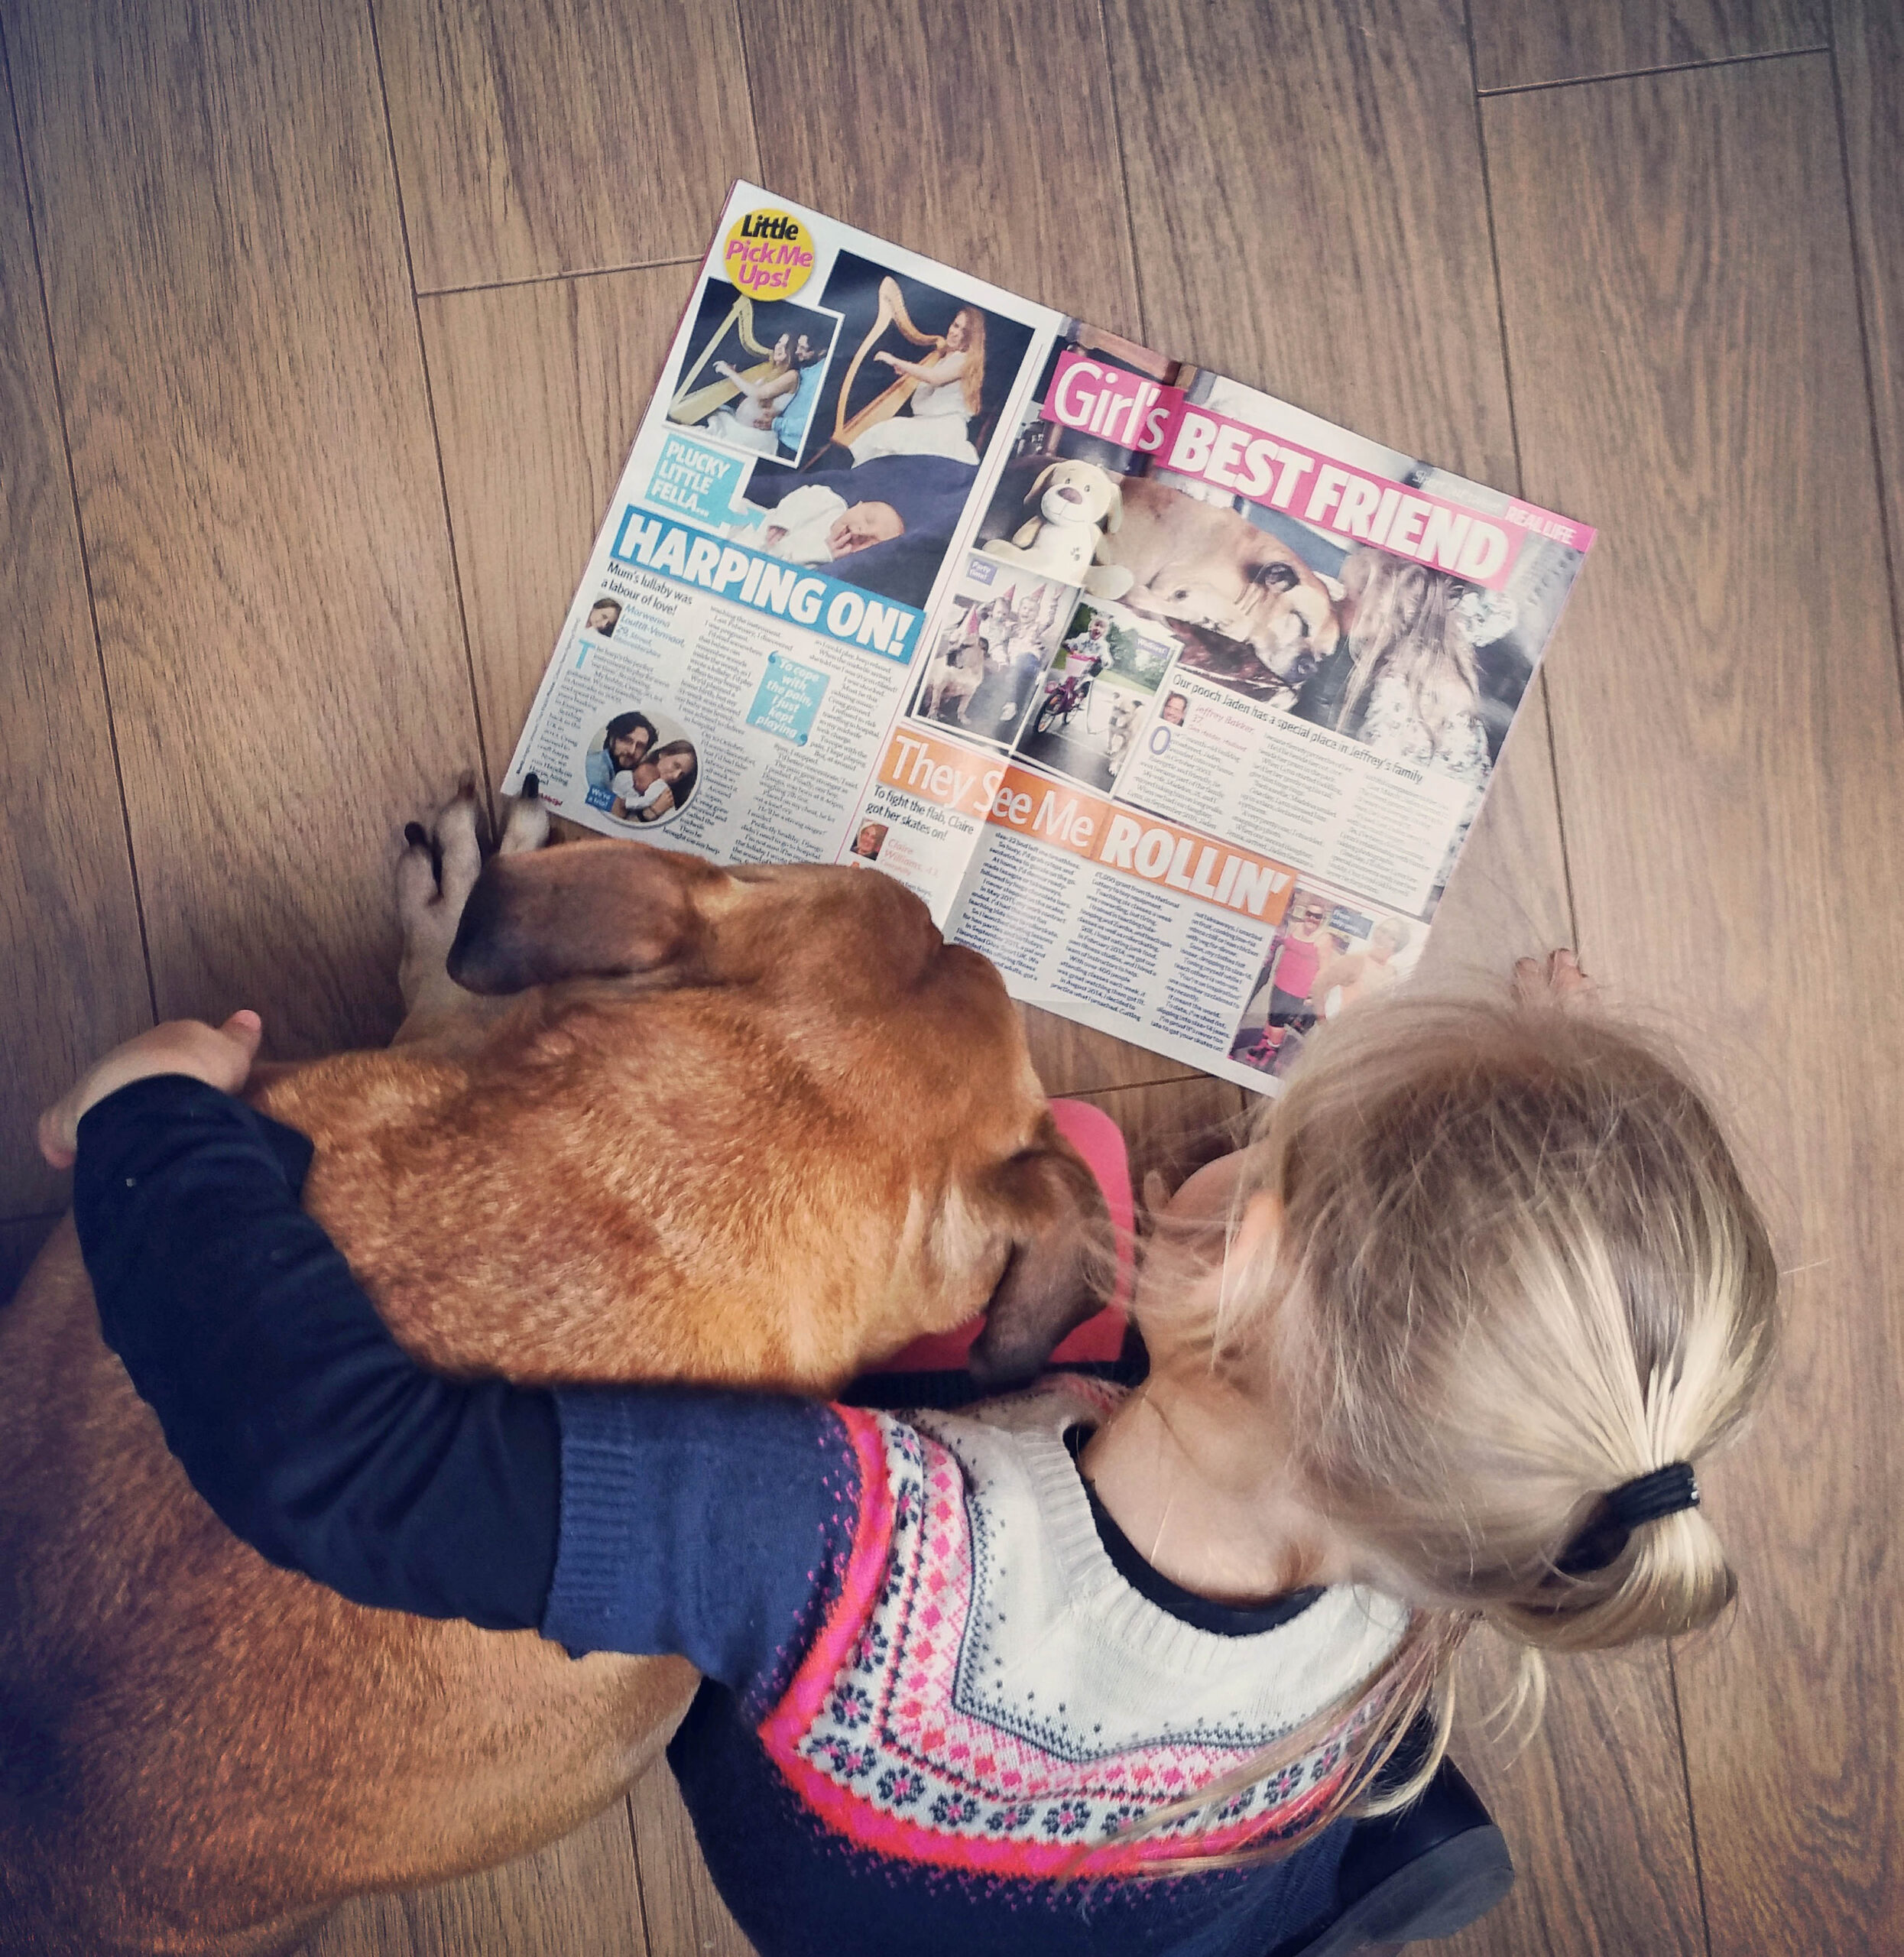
x=1175, y=701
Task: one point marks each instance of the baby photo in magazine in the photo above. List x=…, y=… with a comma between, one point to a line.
x=900, y=418
x=1094, y=697
x=986, y=674
x=641, y=768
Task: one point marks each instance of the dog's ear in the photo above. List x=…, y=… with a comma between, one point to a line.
x=1113, y=516
x=1063, y=1264
x=603, y=909
x=1037, y=488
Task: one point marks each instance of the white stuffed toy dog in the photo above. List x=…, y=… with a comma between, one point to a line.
x=1073, y=504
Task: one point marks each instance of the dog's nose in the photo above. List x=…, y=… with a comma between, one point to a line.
x=1070, y=495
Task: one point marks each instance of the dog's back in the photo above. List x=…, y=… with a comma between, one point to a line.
x=201, y=1751
x=758, y=1129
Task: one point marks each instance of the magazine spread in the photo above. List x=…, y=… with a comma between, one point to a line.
x=1175, y=701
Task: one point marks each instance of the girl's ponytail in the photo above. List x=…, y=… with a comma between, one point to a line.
x=1525, y=1276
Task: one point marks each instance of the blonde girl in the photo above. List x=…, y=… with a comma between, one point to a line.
x=1456, y=1326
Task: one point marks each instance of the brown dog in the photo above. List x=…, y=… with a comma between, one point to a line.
x=1200, y=564
x=760, y=1126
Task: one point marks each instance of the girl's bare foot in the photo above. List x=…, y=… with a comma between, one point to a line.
x=1555, y=980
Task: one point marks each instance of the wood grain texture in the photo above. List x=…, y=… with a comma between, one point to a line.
x=1592, y=1809
x=1677, y=265
x=1868, y=37
x=1072, y=1059
x=1309, y=215
x=685, y=1918
x=579, y=1894
x=20, y=1242
x=258, y=486
x=69, y=923
x=535, y=137
x=539, y=390
x=981, y=135
x=1308, y=201
x=1521, y=42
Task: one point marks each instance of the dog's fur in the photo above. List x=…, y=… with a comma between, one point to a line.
x=1201, y=565
x=1072, y=505
x=760, y=1126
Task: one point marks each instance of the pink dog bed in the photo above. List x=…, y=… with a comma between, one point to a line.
x=1097, y=1137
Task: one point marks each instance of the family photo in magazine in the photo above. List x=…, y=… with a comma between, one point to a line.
x=1175, y=700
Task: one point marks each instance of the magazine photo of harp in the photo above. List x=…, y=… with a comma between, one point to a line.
x=911, y=399
x=925, y=373
x=753, y=371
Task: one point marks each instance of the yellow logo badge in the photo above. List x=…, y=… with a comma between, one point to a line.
x=768, y=255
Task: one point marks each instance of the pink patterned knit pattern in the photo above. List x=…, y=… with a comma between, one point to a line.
x=869, y=1735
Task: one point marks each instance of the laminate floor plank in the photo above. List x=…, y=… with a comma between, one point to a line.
x=21, y=1240
x=1676, y=258
x=257, y=484
x=685, y=1917
x=1072, y=1059
x=69, y=939
x=981, y=134
x=1519, y=42
x=538, y=390
x=579, y=1894
x=536, y=137
x=1309, y=213
x=1868, y=38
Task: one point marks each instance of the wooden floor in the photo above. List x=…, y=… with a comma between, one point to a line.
x=325, y=326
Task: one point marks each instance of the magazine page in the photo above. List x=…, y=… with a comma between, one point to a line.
x=994, y=683
x=1265, y=726
x=796, y=508
x=1175, y=701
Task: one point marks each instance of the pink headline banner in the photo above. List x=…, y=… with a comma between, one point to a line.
x=1096, y=398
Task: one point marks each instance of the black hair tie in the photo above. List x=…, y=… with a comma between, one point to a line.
x=1666, y=1492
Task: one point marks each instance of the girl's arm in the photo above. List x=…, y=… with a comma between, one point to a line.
x=777, y=383
x=634, y=1520
x=935, y=372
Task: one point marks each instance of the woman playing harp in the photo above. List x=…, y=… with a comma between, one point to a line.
x=946, y=386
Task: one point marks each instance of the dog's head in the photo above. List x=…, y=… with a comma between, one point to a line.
x=831, y=1107
x=1277, y=607
x=1077, y=492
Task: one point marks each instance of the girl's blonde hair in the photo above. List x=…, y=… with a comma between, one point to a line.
x=1404, y=626
x=1517, y=1268
x=972, y=382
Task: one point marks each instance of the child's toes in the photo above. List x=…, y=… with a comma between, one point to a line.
x=1556, y=979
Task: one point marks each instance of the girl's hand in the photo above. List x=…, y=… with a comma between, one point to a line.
x=219, y=1056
